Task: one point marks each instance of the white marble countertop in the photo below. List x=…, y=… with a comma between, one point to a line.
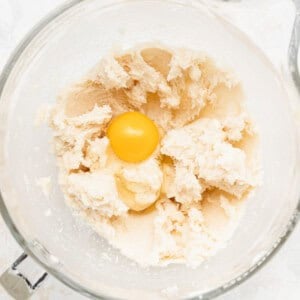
x=280, y=279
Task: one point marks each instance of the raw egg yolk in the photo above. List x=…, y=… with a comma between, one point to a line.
x=133, y=136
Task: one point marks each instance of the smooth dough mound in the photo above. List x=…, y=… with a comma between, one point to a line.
x=200, y=174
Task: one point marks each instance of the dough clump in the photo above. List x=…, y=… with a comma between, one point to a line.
x=200, y=174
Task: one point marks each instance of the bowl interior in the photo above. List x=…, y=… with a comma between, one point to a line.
x=60, y=54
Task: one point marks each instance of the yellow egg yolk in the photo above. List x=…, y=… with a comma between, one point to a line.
x=133, y=136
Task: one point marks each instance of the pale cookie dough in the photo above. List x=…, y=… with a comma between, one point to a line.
x=197, y=179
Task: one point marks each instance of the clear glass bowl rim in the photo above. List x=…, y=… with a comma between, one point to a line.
x=292, y=61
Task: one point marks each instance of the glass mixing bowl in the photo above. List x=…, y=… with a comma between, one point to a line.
x=60, y=50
